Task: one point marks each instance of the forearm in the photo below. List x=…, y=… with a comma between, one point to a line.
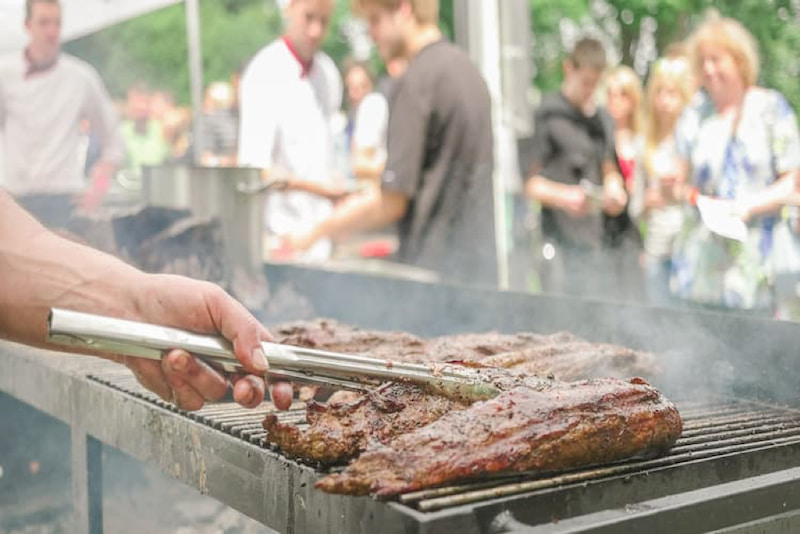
x=368, y=171
x=367, y=210
x=772, y=199
x=366, y=166
x=547, y=192
x=42, y=270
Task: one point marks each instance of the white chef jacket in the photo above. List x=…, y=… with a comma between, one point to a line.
x=285, y=126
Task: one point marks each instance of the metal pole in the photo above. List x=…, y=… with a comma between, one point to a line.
x=192, y=8
x=87, y=482
x=490, y=54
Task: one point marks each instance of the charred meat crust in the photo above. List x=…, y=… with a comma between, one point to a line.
x=572, y=425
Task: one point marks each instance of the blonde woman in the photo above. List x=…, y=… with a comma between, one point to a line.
x=652, y=197
x=740, y=144
x=624, y=103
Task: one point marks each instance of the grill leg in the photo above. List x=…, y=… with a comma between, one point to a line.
x=87, y=483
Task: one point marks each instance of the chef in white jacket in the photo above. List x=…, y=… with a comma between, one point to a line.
x=290, y=93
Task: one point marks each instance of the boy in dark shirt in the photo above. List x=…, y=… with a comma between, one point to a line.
x=574, y=175
x=437, y=184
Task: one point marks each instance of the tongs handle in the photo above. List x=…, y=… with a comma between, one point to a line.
x=141, y=340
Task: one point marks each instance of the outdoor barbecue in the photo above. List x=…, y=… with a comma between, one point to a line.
x=399, y=266
x=497, y=421
x=732, y=463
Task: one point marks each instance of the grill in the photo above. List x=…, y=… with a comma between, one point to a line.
x=722, y=440
x=734, y=470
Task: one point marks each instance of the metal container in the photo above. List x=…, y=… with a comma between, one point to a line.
x=230, y=194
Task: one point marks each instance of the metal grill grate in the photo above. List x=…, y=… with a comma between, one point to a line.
x=227, y=417
x=713, y=428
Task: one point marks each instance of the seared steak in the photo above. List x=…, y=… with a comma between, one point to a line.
x=565, y=426
x=341, y=430
x=561, y=355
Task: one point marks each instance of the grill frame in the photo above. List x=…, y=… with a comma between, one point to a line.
x=707, y=352
x=564, y=496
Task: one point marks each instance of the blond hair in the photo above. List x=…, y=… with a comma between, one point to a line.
x=425, y=11
x=665, y=70
x=733, y=37
x=631, y=86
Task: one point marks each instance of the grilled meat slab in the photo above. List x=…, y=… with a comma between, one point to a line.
x=561, y=355
x=324, y=334
x=342, y=429
x=566, y=426
x=339, y=431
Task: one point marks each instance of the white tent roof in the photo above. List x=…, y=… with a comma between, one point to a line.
x=81, y=17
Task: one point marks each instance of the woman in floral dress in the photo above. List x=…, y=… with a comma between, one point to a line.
x=739, y=143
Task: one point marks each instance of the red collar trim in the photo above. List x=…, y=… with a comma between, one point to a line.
x=31, y=68
x=305, y=66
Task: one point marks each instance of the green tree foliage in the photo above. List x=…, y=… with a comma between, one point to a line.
x=546, y=18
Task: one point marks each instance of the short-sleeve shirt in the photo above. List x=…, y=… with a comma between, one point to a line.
x=144, y=148
x=440, y=156
x=569, y=146
x=733, y=163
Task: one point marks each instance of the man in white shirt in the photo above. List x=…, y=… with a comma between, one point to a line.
x=44, y=95
x=290, y=93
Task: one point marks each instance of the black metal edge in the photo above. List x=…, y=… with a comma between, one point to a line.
x=722, y=353
x=714, y=508
x=558, y=504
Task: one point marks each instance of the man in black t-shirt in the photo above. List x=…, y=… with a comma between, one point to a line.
x=574, y=175
x=437, y=184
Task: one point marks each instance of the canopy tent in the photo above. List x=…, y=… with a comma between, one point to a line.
x=81, y=17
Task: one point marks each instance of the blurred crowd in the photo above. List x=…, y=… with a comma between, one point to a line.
x=677, y=188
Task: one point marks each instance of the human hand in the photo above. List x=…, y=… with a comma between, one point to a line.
x=670, y=186
x=100, y=176
x=614, y=198
x=575, y=201
x=743, y=209
x=204, y=308
x=298, y=243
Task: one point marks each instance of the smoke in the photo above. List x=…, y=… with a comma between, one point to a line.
x=35, y=486
x=34, y=470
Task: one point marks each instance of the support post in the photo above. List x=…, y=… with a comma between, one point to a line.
x=194, y=43
x=87, y=483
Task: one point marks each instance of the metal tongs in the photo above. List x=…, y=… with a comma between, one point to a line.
x=329, y=369
x=333, y=194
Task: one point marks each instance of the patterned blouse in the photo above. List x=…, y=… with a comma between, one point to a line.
x=732, y=165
